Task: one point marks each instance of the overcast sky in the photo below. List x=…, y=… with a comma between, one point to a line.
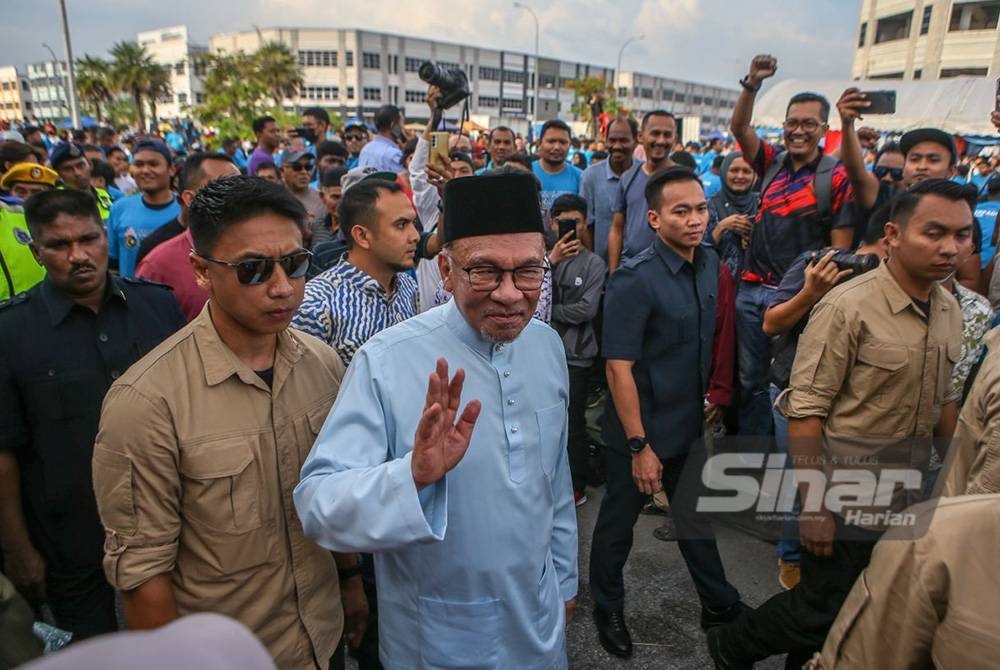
x=710, y=41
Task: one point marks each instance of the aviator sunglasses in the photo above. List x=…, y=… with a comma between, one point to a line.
x=254, y=271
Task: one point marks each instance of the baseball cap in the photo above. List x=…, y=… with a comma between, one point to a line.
x=65, y=151
x=935, y=135
x=294, y=154
x=355, y=175
x=31, y=173
x=154, y=145
x=355, y=123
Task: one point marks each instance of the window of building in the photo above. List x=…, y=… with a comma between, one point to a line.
x=374, y=94
x=415, y=96
x=488, y=101
x=321, y=92
x=949, y=72
x=862, y=34
x=918, y=73
x=680, y=97
x=179, y=68
x=696, y=100
x=182, y=98
x=547, y=80
x=890, y=75
x=413, y=64
x=318, y=58
x=925, y=19
x=350, y=93
x=349, y=58
x=199, y=98
x=895, y=27
x=974, y=16
x=371, y=61
x=513, y=103
x=489, y=73
x=622, y=92
x=513, y=77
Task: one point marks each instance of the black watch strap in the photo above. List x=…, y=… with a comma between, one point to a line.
x=745, y=83
x=637, y=443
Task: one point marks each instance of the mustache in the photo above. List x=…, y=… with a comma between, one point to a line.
x=81, y=267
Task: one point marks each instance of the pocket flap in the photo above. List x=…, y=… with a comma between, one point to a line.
x=885, y=356
x=954, y=352
x=213, y=460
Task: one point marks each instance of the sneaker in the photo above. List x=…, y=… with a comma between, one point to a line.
x=788, y=575
x=579, y=498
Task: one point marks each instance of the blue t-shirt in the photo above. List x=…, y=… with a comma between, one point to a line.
x=712, y=183
x=130, y=220
x=986, y=216
x=979, y=181
x=554, y=185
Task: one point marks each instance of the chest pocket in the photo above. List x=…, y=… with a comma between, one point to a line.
x=948, y=357
x=222, y=486
x=878, y=375
x=550, y=429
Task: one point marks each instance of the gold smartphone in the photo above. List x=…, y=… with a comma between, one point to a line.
x=440, y=150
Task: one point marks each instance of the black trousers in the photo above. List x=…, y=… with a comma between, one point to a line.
x=796, y=622
x=82, y=602
x=614, y=532
x=366, y=655
x=579, y=389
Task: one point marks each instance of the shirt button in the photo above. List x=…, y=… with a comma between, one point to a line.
x=498, y=347
x=513, y=429
x=103, y=337
x=506, y=373
x=511, y=401
x=115, y=374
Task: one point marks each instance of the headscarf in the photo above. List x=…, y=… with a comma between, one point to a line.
x=728, y=201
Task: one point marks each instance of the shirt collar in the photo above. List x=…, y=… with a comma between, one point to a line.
x=673, y=260
x=60, y=305
x=610, y=175
x=220, y=363
x=457, y=324
x=899, y=299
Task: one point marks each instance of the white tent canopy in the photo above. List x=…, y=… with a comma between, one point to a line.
x=961, y=105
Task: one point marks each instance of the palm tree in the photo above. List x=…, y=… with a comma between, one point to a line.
x=158, y=87
x=278, y=70
x=93, y=82
x=131, y=70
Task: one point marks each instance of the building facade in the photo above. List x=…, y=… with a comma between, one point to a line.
x=171, y=47
x=47, y=91
x=14, y=104
x=927, y=39
x=354, y=72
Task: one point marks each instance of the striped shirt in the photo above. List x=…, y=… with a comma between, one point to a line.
x=344, y=307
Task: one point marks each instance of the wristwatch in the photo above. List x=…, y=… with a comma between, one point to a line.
x=637, y=444
x=745, y=83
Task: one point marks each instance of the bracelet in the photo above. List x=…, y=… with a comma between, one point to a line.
x=745, y=83
x=347, y=573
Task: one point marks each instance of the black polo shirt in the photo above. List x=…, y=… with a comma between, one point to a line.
x=57, y=361
x=659, y=311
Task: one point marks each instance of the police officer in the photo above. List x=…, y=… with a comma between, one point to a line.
x=65, y=340
x=74, y=168
x=870, y=389
x=19, y=270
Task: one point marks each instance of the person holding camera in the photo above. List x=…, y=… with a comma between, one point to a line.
x=869, y=395
x=577, y=283
x=810, y=277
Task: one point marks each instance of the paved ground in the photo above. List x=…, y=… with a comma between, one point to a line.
x=662, y=607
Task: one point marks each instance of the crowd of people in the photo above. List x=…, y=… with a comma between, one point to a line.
x=336, y=386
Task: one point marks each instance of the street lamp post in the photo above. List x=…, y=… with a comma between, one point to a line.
x=74, y=110
x=618, y=68
x=534, y=115
x=62, y=80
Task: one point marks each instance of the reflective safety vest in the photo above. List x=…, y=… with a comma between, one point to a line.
x=19, y=270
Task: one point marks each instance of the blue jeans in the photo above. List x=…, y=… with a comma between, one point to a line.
x=789, y=549
x=753, y=350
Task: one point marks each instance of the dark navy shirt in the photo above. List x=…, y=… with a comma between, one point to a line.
x=659, y=311
x=57, y=361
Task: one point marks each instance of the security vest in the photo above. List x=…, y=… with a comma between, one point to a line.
x=19, y=270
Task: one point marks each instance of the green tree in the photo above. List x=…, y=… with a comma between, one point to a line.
x=158, y=88
x=132, y=71
x=234, y=94
x=93, y=83
x=279, y=71
x=584, y=89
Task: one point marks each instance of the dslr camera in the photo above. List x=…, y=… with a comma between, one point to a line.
x=453, y=83
x=845, y=260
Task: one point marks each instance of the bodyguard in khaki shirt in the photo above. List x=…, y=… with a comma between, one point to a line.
x=928, y=597
x=870, y=389
x=201, y=442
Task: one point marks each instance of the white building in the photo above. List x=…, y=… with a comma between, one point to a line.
x=47, y=91
x=172, y=48
x=14, y=103
x=927, y=39
x=354, y=72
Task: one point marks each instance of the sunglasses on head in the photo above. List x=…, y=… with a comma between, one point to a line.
x=301, y=167
x=881, y=171
x=254, y=271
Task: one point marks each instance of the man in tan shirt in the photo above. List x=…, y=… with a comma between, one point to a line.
x=201, y=443
x=925, y=600
x=870, y=390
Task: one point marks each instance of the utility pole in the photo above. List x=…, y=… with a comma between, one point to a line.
x=74, y=109
x=534, y=116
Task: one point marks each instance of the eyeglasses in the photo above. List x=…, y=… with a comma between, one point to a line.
x=808, y=125
x=488, y=277
x=254, y=271
x=354, y=138
x=881, y=171
x=301, y=167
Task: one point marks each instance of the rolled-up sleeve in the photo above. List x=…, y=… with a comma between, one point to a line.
x=350, y=497
x=822, y=359
x=137, y=486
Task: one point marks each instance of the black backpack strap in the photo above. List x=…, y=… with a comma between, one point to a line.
x=631, y=180
x=823, y=188
x=772, y=171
